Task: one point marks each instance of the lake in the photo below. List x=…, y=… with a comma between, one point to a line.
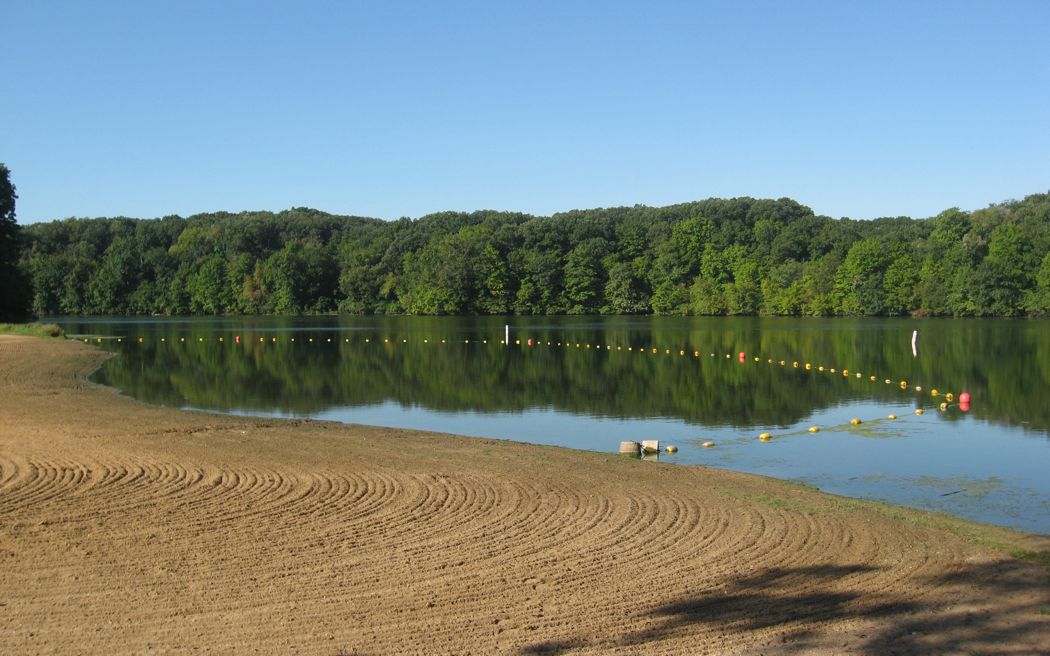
x=590, y=382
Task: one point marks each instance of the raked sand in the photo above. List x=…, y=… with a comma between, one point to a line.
x=126, y=528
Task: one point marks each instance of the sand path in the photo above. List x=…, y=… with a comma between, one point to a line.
x=126, y=528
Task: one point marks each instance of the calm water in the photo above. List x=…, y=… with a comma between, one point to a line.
x=599, y=382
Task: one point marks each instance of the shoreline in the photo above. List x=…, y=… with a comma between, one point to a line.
x=126, y=527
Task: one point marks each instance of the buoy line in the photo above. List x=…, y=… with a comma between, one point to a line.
x=800, y=365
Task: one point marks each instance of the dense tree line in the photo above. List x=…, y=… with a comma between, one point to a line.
x=736, y=257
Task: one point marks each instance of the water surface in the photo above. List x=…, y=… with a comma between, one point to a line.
x=591, y=382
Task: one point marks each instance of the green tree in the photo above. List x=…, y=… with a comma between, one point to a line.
x=16, y=294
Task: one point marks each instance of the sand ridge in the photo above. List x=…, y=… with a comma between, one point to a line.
x=126, y=528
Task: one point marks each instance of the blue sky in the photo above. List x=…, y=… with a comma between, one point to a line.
x=393, y=109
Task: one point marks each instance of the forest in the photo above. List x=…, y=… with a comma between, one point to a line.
x=738, y=256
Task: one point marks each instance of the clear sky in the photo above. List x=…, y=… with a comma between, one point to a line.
x=392, y=109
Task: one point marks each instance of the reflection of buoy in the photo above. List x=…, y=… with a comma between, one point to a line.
x=814, y=429
x=919, y=411
x=891, y=416
x=964, y=397
x=965, y=407
x=854, y=421
x=708, y=445
x=670, y=448
x=765, y=437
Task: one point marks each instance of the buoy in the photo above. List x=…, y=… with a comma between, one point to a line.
x=808, y=366
x=859, y=376
x=630, y=448
x=872, y=378
x=814, y=429
x=820, y=368
x=919, y=411
x=794, y=364
x=888, y=381
x=949, y=397
x=832, y=370
x=529, y=341
x=918, y=388
x=742, y=358
x=904, y=384
x=781, y=363
x=708, y=445
x=671, y=448
x=964, y=397
x=758, y=359
x=933, y=392
x=845, y=374
x=765, y=437
x=944, y=406
x=855, y=421
x=742, y=355
x=891, y=416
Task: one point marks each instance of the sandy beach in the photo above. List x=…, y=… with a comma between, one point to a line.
x=126, y=528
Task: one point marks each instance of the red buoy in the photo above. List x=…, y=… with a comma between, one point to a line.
x=742, y=356
x=964, y=398
x=238, y=339
x=530, y=341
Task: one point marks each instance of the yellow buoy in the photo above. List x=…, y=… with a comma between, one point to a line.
x=758, y=359
x=814, y=429
x=794, y=364
x=845, y=372
x=855, y=421
x=765, y=437
x=891, y=416
x=919, y=411
x=888, y=381
x=944, y=406
x=872, y=378
x=858, y=376
x=933, y=392
x=808, y=366
x=904, y=384
x=949, y=397
x=832, y=370
x=918, y=388
x=708, y=445
x=670, y=448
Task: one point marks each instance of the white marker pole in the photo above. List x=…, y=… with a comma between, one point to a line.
x=506, y=334
x=914, y=341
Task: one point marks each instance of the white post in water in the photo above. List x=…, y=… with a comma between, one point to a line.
x=914, y=342
x=506, y=334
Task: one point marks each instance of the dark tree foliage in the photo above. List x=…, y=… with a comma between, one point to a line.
x=716, y=256
x=15, y=292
